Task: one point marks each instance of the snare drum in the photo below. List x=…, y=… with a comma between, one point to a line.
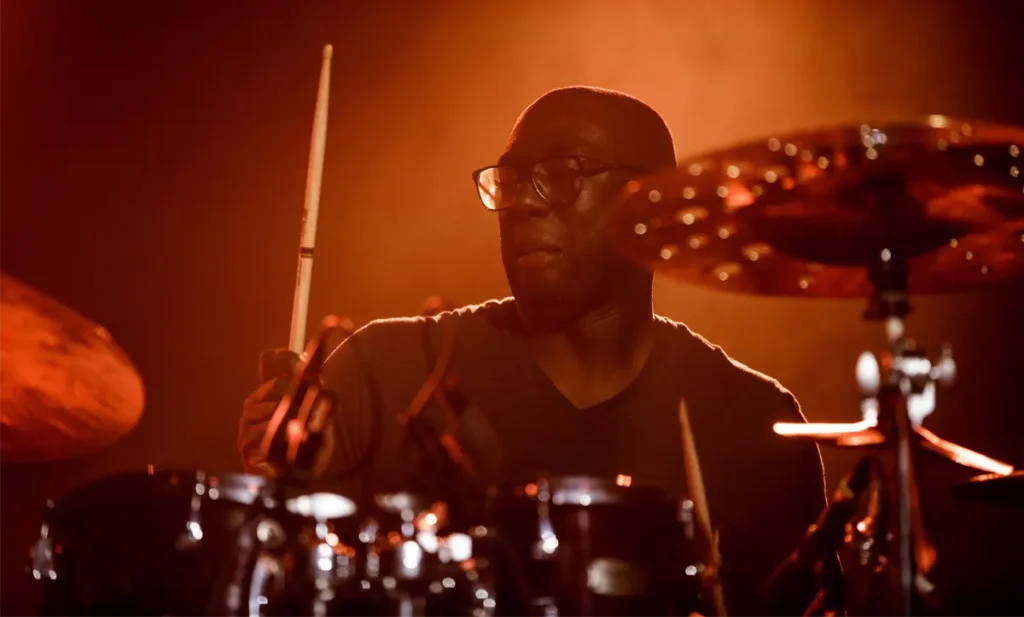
x=412, y=563
x=397, y=558
x=590, y=546
x=164, y=543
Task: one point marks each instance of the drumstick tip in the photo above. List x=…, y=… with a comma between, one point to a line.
x=328, y=51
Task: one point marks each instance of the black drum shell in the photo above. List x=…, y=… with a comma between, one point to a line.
x=121, y=544
x=621, y=550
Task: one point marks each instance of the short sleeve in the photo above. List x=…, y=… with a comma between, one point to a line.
x=355, y=418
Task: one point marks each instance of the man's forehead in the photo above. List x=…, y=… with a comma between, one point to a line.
x=534, y=139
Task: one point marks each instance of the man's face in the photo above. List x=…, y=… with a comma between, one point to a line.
x=557, y=259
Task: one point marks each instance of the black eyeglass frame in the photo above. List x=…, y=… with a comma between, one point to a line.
x=587, y=167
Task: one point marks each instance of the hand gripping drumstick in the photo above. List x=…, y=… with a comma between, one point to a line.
x=311, y=208
x=695, y=481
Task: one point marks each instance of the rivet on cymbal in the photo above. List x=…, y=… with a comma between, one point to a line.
x=640, y=229
x=941, y=144
x=724, y=232
x=688, y=193
x=886, y=254
x=687, y=216
x=732, y=171
x=966, y=130
x=791, y=149
x=754, y=252
x=727, y=270
x=668, y=251
x=771, y=176
x=654, y=196
x=970, y=255
x=1014, y=150
x=984, y=269
x=1014, y=172
x=871, y=153
x=822, y=162
x=774, y=144
x=804, y=283
x=695, y=169
x=697, y=240
x=979, y=160
x=954, y=243
x=723, y=192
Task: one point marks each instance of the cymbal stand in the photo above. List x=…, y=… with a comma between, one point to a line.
x=897, y=394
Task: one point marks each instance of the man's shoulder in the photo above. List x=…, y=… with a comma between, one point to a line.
x=395, y=333
x=725, y=371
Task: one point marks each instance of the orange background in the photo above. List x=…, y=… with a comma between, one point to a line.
x=154, y=159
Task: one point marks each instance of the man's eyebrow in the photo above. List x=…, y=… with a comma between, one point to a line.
x=557, y=149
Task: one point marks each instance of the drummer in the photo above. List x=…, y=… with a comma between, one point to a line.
x=575, y=373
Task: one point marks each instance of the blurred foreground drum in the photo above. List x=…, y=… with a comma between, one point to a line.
x=396, y=558
x=591, y=546
x=165, y=543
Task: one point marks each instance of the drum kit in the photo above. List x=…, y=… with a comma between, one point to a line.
x=875, y=211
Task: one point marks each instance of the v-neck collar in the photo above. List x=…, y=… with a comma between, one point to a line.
x=533, y=371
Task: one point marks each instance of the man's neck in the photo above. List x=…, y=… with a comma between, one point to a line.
x=597, y=356
x=606, y=339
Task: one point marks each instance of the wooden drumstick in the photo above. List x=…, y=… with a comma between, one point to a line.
x=695, y=481
x=311, y=208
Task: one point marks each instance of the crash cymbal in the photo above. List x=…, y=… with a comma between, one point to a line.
x=803, y=214
x=66, y=389
x=994, y=488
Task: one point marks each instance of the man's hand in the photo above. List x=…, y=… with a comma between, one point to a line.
x=277, y=368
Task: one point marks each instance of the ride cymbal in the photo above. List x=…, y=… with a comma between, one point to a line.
x=994, y=488
x=805, y=214
x=66, y=389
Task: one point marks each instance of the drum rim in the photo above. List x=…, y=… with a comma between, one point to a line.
x=236, y=487
x=584, y=490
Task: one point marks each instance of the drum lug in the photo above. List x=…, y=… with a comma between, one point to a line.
x=687, y=519
x=193, y=534
x=41, y=554
x=270, y=533
x=547, y=542
x=267, y=570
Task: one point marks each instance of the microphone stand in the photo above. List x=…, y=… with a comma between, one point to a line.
x=897, y=395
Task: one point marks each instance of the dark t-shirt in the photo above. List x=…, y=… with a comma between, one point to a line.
x=763, y=491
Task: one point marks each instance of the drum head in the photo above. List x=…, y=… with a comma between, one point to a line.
x=321, y=506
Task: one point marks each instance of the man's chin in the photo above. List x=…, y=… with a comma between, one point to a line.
x=547, y=306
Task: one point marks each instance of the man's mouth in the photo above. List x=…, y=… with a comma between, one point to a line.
x=536, y=254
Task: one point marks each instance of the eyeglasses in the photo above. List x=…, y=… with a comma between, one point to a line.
x=558, y=180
